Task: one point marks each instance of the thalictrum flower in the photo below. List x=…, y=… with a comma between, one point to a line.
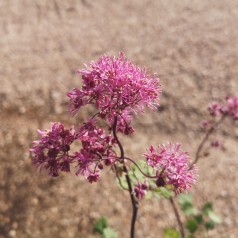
x=114, y=84
x=52, y=150
x=171, y=166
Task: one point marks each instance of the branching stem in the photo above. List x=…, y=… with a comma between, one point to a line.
x=206, y=137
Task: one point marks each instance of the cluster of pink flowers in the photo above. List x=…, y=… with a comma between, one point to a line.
x=229, y=108
x=117, y=87
x=52, y=150
x=171, y=166
x=96, y=151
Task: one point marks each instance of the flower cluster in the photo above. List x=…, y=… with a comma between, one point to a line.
x=96, y=151
x=113, y=85
x=118, y=88
x=229, y=108
x=171, y=166
x=52, y=150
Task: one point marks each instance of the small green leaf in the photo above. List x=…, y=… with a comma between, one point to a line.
x=192, y=225
x=214, y=218
x=209, y=225
x=186, y=204
x=207, y=207
x=191, y=236
x=109, y=233
x=189, y=209
x=100, y=225
x=165, y=192
x=185, y=199
x=137, y=173
x=171, y=233
x=199, y=218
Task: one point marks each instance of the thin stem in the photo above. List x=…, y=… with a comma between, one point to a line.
x=146, y=175
x=206, y=137
x=133, y=199
x=116, y=138
x=176, y=212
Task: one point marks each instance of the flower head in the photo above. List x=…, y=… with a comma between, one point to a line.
x=171, y=166
x=51, y=151
x=96, y=149
x=114, y=84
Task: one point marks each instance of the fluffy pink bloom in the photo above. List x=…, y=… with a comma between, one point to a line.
x=140, y=189
x=114, y=84
x=52, y=150
x=171, y=166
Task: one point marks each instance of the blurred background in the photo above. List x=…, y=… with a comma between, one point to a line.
x=191, y=45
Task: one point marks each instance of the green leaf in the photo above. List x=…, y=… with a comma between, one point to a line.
x=199, y=218
x=207, y=207
x=185, y=199
x=214, y=218
x=137, y=173
x=100, y=225
x=165, y=192
x=209, y=225
x=186, y=203
x=192, y=225
x=109, y=233
x=207, y=210
x=123, y=184
x=191, y=236
x=171, y=233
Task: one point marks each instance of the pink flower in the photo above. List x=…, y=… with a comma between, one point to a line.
x=123, y=122
x=231, y=107
x=140, y=189
x=93, y=177
x=114, y=84
x=215, y=109
x=216, y=144
x=171, y=166
x=97, y=149
x=51, y=151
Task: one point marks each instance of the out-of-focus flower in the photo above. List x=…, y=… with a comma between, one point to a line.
x=215, y=109
x=171, y=166
x=114, y=84
x=216, y=144
x=52, y=150
x=231, y=107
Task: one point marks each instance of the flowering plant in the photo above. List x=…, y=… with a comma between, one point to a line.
x=121, y=90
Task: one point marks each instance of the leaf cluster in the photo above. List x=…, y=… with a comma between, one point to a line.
x=198, y=220
x=101, y=227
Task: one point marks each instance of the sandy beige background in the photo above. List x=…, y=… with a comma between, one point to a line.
x=192, y=45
